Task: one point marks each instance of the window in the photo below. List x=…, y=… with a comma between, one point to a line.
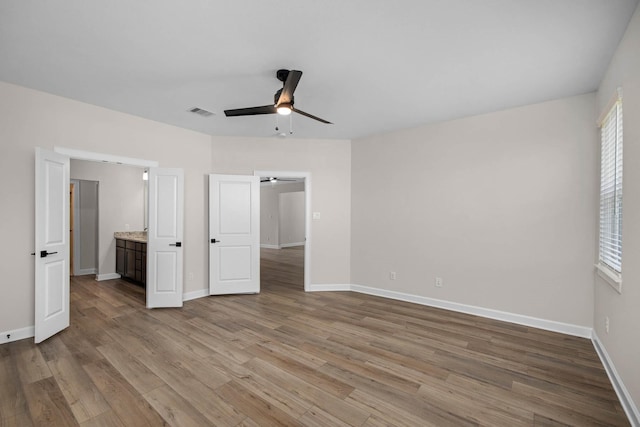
x=610, y=253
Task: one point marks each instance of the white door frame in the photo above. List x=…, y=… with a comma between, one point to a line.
x=105, y=158
x=307, y=216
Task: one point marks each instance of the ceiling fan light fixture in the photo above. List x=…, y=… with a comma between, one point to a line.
x=284, y=109
x=273, y=179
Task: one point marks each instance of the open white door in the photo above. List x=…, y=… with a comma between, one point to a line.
x=164, y=238
x=51, y=244
x=234, y=234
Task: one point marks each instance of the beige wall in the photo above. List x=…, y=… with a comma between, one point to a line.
x=270, y=211
x=329, y=162
x=621, y=343
x=292, y=215
x=120, y=204
x=29, y=118
x=501, y=206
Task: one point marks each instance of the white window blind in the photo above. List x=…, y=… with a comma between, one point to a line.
x=611, y=189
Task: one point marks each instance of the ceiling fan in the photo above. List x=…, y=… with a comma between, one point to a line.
x=283, y=99
x=274, y=179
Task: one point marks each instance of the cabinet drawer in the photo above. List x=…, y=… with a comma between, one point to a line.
x=119, y=243
x=140, y=247
x=130, y=245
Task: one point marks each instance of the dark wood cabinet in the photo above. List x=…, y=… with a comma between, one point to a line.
x=131, y=260
x=120, y=257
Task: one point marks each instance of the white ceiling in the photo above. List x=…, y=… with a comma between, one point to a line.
x=369, y=66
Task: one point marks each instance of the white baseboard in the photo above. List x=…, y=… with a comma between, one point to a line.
x=626, y=401
x=270, y=246
x=290, y=245
x=328, y=288
x=549, y=325
x=17, y=334
x=188, y=296
x=107, y=276
x=86, y=271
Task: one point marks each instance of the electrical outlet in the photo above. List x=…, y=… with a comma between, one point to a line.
x=190, y=276
x=606, y=324
x=392, y=275
x=438, y=282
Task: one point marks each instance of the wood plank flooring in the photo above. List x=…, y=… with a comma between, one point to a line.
x=285, y=357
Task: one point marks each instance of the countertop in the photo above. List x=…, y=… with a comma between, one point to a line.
x=134, y=236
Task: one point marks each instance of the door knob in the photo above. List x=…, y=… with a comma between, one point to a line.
x=176, y=244
x=215, y=241
x=45, y=253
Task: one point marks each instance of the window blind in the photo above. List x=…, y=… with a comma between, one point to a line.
x=611, y=189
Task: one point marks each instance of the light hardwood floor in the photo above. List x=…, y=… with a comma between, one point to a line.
x=293, y=358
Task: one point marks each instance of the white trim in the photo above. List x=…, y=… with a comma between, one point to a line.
x=617, y=97
x=291, y=245
x=613, y=279
x=519, y=319
x=307, y=216
x=86, y=271
x=105, y=158
x=328, y=288
x=269, y=246
x=188, y=296
x=17, y=334
x=107, y=276
x=623, y=394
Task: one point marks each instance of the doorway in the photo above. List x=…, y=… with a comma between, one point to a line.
x=111, y=199
x=83, y=227
x=285, y=221
x=52, y=233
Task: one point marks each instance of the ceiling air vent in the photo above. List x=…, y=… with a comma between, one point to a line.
x=200, y=111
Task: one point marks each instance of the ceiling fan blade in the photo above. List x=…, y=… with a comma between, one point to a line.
x=251, y=111
x=286, y=97
x=311, y=116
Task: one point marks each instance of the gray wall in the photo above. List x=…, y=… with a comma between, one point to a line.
x=623, y=310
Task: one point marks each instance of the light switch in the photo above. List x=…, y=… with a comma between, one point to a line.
x=316, y=215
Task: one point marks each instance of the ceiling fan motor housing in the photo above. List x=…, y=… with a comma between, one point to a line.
x=282, y=75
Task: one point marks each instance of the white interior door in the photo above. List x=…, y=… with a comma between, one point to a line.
x=164, y=238
x=51, y=244
x=234, y=234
